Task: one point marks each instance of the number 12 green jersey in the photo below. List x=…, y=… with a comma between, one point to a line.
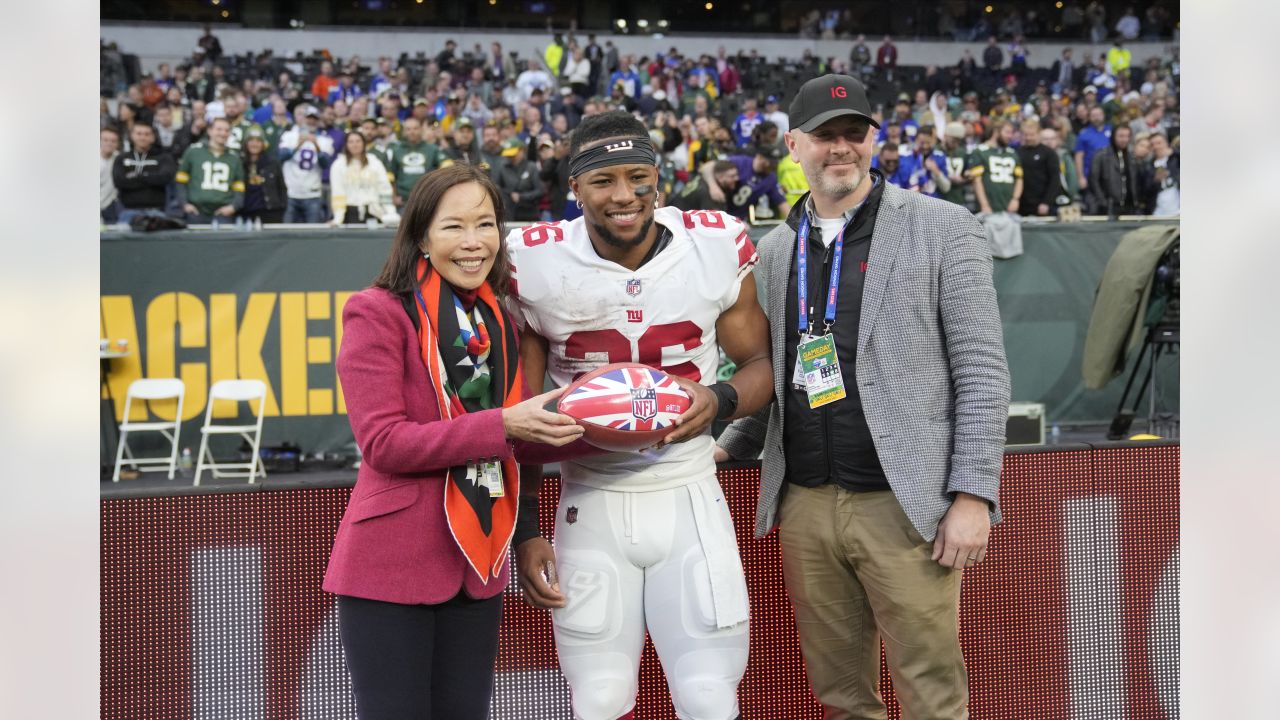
x=212, y=180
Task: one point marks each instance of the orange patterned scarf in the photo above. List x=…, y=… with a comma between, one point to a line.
x=482, y=526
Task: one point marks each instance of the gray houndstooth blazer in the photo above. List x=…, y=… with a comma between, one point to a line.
x=931, y=367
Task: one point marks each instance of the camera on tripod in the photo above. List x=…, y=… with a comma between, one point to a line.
x=1163, y=322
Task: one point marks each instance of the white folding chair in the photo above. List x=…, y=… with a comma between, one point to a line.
x=150, y=389
x=238, y=391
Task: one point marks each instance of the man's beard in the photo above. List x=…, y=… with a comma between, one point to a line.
x=840, y=188
x=614, y=241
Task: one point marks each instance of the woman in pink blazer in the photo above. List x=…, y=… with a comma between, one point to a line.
x=429, y=368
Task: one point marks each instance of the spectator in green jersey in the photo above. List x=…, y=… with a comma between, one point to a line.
x=210, y=177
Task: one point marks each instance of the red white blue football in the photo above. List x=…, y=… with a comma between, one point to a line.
x=625, y=406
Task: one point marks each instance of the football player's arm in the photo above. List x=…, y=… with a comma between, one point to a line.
x=743, y=333
x=535, y=559
x=533, y=366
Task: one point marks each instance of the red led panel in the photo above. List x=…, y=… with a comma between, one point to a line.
x=1144, y=485
x=212, y=608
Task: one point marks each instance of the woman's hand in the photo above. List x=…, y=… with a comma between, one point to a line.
x=530, y=422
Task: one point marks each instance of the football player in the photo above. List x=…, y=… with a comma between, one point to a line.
x=643, y=541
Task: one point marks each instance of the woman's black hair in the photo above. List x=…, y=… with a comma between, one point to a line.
x=399, y=274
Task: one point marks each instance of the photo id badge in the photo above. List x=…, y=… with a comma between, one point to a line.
x=487, y=475
x=797, y=375
x=821, y=368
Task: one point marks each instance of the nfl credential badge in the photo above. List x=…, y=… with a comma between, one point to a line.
x=633, y=287
x=571, y=515
x=644, y=403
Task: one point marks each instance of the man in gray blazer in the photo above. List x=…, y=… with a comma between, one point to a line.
x=883, y=450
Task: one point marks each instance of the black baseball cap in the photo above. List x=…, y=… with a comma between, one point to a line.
x=827, y=97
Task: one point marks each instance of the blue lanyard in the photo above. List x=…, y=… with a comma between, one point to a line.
x=802, y=277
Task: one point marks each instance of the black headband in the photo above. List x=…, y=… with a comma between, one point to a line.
x=636, y=151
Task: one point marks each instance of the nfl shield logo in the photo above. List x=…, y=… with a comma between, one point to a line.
x=571, y=515
x=644, y=403
x=633, y=287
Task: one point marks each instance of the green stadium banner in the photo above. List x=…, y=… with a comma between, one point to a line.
x=209, y=305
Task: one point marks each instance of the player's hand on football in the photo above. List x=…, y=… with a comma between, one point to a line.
x=694, y=421
x=531, y=422
x=536, y=563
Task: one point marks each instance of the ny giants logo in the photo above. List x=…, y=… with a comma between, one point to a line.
x=635, y=316
x=615, y=147
x=644, y=403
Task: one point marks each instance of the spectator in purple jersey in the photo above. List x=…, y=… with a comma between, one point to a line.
x=758, y=178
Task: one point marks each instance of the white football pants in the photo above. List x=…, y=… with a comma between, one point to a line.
x=631, y=561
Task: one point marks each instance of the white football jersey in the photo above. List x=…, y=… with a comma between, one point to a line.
x=594, y=312
x=302, y=171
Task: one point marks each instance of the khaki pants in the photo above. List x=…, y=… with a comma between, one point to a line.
x=857, y=571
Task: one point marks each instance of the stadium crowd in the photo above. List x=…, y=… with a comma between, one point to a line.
x=261, y=139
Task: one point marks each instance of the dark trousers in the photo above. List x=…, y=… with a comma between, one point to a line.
x=418, y=662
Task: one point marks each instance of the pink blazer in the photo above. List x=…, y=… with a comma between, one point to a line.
x=393, y=543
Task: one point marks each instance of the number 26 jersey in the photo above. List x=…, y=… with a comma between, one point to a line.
x=593, y=312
